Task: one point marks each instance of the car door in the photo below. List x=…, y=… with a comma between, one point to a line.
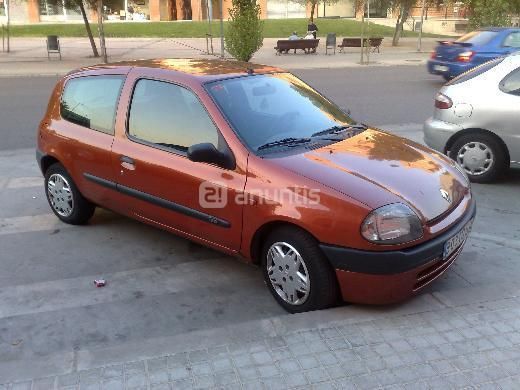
x=160, y=183
x=86, y=133
x=509, y=106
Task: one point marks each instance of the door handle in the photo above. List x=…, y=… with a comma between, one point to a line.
x=126, y=159
x=127, y=162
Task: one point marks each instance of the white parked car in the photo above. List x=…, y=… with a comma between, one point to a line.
x=477, y=119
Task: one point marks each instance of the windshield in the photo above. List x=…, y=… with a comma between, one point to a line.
x=265, y=109
x=477, y=38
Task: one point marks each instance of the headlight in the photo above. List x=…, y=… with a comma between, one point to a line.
x=392, y=224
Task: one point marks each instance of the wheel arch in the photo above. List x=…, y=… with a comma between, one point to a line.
x=263, y=232
x=46, y=161
x=470, y=131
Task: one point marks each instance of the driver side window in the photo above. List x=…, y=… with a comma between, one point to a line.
x=170, y=116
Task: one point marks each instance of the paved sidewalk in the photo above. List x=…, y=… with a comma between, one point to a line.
x=449, y=346
x=29, y=56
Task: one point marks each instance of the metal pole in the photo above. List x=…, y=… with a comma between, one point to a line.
x=419, y=41
x=368, y=31
x=7, y=2
x=362, y=59
x=221, y=3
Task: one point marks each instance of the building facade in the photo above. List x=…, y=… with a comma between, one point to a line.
x=443, y=17
x=35, y=11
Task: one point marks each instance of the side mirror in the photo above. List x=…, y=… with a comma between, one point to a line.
x=207, y=153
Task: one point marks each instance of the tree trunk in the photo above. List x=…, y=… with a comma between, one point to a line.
x=101, y=31
x=313, y=5
x=87, y=27
x=403, y=15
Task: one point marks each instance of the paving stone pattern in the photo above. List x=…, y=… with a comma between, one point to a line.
x=475, y=346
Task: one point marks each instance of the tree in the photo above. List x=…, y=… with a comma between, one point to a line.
x=485, y=13
x=401, y=7
x=101, y=30
x=314, y=5
x=244, y=35
x=70, y=4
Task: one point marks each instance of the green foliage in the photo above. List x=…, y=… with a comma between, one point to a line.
x=244, y=34
x=486, y=13
x=273, y=28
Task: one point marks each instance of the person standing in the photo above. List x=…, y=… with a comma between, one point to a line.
x=312, y=28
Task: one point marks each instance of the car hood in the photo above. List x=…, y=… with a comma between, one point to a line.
x=378, y=168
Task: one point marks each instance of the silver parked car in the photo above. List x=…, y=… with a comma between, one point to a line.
x=477, y=119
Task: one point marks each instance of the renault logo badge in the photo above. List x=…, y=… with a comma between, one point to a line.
x=445, y=195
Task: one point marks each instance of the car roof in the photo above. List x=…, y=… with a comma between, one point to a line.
x=206, y=69
x=499, y=29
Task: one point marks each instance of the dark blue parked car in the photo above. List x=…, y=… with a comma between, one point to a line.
x=451, y=58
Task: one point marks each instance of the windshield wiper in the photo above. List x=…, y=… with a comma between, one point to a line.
x=284, y=141
x=339, y=129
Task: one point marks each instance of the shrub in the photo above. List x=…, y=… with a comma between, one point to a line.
x=244, y=35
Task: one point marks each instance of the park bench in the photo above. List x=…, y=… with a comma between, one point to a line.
x=307, y=45
x=375, y=43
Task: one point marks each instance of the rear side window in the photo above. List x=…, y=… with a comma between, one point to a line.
x=477, y=71
x=512, y=40
x=511, y=83
x=91, y=102
x=478, y=38
x=168, y=115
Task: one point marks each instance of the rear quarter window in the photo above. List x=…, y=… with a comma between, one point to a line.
x=91, y=101
x=511, y=83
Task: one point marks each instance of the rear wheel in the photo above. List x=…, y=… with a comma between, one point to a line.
x=481, y=156
x=446, y=77
x=296, y=271
x=64, y=197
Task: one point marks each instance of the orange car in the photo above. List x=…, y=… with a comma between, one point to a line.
x=251, y=161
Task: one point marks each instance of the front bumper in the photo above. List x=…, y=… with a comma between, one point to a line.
x=448, y=69
x=392, y=276
x=437, y=133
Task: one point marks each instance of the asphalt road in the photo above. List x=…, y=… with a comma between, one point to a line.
x=164, y=292
x=375, y=95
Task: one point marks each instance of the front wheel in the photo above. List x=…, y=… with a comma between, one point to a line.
x=296, y=271
x=64, y=197
x=481, y=156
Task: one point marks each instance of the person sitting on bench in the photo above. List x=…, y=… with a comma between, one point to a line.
x=293, y=36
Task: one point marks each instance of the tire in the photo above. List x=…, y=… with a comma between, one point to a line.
x=64, y=198
x=446, y=77
x=321, y=287
x=491, y=157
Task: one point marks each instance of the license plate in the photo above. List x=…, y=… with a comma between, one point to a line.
x=441, y=68
x=453, y=243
